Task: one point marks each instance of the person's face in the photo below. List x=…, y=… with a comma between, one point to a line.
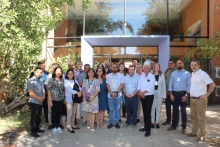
x=99, y=72
x=52, y=68
x=152, y=64
x=100, y=66
x=156, y=67
x=134, y=62
x=91, y=74
x=114, y=68
x=42, y=66
x=79, y=66
x=70, y=65
x=194, y=66
x=38, y=73
x=121, y=67
x=70, y=75
x=131, y=71
x=58, y=72
x=179, y=64
x=86, y=68
x=139, y=69
x=121, y=61
x=146, y=69
x=106, y=63
x=171, y=65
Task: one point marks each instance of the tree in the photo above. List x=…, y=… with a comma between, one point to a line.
x=24, y=24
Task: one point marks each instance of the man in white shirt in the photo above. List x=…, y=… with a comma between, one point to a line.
x=146, y=87
x=198, y=100
x=139, y=73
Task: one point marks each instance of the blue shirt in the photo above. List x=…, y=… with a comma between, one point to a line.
x=131, y=83
x=180, y=81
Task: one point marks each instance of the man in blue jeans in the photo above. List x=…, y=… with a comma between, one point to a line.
x=115, y=82
x=179, y=87
x=131, y=97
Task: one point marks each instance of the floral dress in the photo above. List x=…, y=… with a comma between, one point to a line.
x=89, y=89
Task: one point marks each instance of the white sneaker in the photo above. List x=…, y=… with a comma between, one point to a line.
x=54, y=130
x=59, y=130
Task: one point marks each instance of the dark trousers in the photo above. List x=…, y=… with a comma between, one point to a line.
x=123, y=109
x=45, y=105
x=178, y=102
x=56, y=113
x=36, y=111
x=146, y=106
x=168, y=103
x=131, y=109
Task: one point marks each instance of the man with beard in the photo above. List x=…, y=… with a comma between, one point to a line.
x=179, y=87
x=36, y=91
x=198, y=100
x=115, y=82
x=146, y=86
x=131, y=97
x=107, y=67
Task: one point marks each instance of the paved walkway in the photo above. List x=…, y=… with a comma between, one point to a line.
x=123, y=137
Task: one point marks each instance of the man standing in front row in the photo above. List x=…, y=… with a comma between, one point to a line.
x=115, y=82
x=146, y=87
x=131, y=97
x=198, y=100
x=179, y=87
x=36, y=91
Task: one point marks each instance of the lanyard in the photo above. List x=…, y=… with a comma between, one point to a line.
x=90, y=83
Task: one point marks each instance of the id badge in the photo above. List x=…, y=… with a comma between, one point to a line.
x=155, y=82
x=148, y=80
x=178, y=79
x=89, y=90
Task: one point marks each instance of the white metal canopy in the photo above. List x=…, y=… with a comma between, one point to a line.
x=161, y=41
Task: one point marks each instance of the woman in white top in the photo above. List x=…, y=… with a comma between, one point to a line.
x=69, y=94
x=159, y=95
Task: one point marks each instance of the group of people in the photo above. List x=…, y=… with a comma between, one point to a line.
x=109, y=87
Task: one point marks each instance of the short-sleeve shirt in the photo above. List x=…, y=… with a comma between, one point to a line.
x=37, y=86
x=57, y=89
x=199, y=82
x=131, y=83
x=114, y=81
x=82, y=77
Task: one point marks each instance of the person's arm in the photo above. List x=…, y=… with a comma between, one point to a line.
x=210, y=89
x=171, y=88
x=49, y=100
x=68, y=87
x=33, y=95
x=188, y=82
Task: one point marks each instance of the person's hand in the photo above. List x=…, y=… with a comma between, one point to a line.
x=168, y=93
x=142, y=95
x=172, y=98
x=113, y=95
x=164, y=98
x=90, y=99
x=41, y=99
x=64, y=102
x=129, y=96
x=184, y=98
x=203, y=97
x=50, y=104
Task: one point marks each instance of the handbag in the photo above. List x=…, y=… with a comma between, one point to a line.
x=75, y=97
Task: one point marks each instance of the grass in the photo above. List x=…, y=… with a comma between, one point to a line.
x=15, y=121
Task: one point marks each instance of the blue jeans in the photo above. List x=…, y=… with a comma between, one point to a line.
x=176, y=104
x=114, y=110
x=131, y=105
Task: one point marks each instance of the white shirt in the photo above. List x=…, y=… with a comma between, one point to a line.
x=199, y=82
x=142, y=73
x=147, y=83
x=68, y=84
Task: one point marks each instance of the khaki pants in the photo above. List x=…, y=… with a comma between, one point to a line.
x=71, y=112
x=198, y=116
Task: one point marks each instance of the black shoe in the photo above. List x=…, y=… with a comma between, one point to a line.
x=142, y=130
x=147, y=134
x=157, y=126
x=40, y=131
x=166, y=123
x=71, y=131
x=138, y=120
x=117, y=126
x=34, y=134
x=120, y=120
x=76, y=128
x=81, y=116
x=110, y=126
x=152, y=125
